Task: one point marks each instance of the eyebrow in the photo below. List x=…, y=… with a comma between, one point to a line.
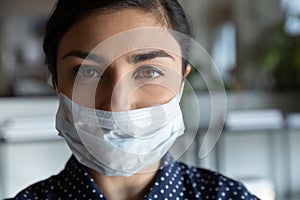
x=137, y=58
x=85, y=55
x=141, y=57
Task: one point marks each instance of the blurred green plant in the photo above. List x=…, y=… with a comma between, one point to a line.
x=281, y=57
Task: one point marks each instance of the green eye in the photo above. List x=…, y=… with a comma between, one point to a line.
x=149, y=72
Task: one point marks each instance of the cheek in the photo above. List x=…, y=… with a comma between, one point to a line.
x=64, y=84
x=65, y=80
x=99, y=95
x=82, y=94
x=148, y=96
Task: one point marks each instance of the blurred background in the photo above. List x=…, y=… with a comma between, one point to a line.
x=255, y=46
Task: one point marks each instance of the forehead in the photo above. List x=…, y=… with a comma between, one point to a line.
x=115, y=33
x=99, y=26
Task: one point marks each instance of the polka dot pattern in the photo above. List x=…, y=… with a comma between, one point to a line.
x=174, y=181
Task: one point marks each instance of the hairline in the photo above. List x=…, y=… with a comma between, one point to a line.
x=160, y=13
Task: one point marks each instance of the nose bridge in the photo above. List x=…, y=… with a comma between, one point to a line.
x=117, y=95
x=120, y=97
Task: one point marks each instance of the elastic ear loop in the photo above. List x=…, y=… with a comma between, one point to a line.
x=50, y=80
x=52, y=83
x=181, y=89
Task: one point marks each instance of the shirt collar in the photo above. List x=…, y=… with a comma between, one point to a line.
x=77, y=175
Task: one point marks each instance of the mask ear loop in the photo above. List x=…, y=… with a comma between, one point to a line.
x=181, y=90
x=51, y=82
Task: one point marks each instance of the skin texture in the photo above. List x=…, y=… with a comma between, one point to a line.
x=124, y=85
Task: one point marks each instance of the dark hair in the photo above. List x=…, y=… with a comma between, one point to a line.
x=68, y=12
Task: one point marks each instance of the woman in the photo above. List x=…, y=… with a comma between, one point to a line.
x=118, y=111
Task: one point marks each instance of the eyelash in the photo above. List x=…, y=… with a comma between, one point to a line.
x=141, y=70
x=81, y=68
x=139, y=74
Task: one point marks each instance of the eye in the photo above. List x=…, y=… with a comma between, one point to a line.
x=149, y=72
x=85, y=71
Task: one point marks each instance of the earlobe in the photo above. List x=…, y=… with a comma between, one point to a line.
x=187, y=70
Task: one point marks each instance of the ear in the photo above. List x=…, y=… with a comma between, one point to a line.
x=187, y=70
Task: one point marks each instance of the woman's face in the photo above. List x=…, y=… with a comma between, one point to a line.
x=137, y=79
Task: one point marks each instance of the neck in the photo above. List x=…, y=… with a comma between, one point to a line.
x=123, y=188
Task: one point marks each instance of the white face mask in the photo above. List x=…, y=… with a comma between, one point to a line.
x=119, y=143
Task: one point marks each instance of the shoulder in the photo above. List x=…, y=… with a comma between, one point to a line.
x=46, y=189
x=72, y=181
x=213, y=184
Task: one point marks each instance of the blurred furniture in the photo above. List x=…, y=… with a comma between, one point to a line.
x=30, y=149
x=268, y=154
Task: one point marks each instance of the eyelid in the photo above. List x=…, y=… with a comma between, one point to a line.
x=78, y=67
x=153, y=67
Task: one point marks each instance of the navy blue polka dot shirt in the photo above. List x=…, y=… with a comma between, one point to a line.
x=174, y=181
